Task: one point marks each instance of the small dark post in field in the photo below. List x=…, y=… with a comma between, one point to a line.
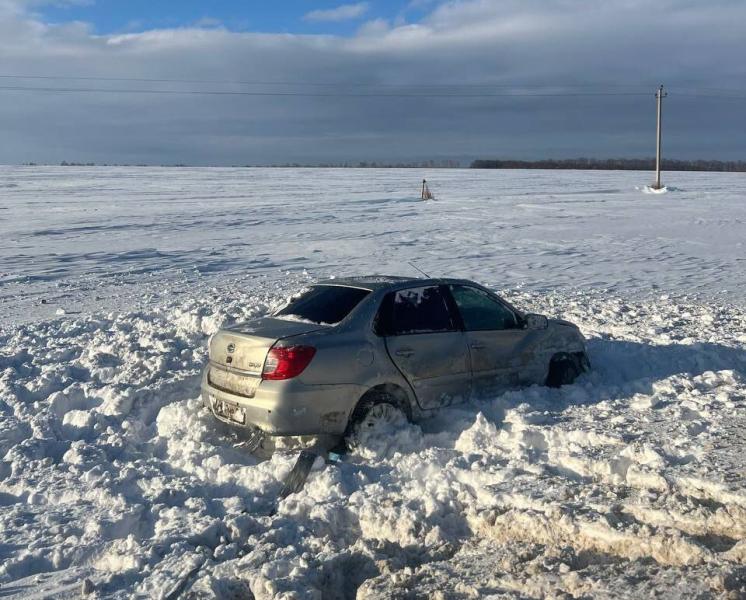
x=426, y=193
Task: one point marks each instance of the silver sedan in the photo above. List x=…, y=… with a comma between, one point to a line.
x=348, y=352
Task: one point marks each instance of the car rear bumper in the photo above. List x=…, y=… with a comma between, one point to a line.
x=286, y=407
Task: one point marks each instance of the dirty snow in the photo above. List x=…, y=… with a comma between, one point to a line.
x=115, y=482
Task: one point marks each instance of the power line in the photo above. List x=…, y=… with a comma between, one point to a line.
x=725, y=92
x=342, y=89
x=711, y=95
x=344, y=84
x=315, y=94
x=711, y=90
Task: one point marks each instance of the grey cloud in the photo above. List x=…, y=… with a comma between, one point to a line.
x=558, y=43
x=343, y=12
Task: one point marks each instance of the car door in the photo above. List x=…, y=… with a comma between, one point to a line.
x=498, y=344
x=426, y=345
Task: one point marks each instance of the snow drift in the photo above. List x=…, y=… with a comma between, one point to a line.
x=115, y=481
x=113, y=472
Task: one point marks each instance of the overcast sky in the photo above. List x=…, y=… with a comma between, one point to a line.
x=371, y=77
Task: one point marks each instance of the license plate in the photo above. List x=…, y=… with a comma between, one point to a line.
x=227, y=410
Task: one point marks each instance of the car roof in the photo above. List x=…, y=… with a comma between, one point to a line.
x=383, y=282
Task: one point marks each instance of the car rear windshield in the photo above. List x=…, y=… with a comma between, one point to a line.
x=324, y=304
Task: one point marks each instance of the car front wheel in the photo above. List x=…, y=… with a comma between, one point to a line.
x=565, y=369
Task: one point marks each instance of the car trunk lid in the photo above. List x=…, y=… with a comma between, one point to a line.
x=237, y=354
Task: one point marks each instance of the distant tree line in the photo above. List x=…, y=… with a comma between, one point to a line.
x=424, y=164
x=614, y=164
x=607, y=164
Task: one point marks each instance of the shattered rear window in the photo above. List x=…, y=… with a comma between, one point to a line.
x=323, y=304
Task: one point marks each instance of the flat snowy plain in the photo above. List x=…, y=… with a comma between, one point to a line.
x=630, y=483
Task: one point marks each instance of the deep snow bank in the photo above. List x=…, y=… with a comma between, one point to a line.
x=627, y=483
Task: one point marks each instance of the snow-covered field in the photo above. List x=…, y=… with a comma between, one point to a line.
x=629, y=483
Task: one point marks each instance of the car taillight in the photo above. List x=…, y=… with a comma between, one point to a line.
x=287, y=362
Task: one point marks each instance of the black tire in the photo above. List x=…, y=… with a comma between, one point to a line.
x=564, y=370
x=367, y=403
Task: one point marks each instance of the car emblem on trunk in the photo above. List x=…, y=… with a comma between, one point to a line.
x=231, y=348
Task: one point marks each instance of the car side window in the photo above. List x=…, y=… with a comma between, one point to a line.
x=480, y=311
x=414, y=310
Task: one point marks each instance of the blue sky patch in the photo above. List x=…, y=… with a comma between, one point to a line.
x=288, y=16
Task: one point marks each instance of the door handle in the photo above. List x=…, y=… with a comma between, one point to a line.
x=405, y=352
x=477, y=346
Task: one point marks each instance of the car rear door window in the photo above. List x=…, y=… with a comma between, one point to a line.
x=415, y=310
x=480, y=311
x=327, y=304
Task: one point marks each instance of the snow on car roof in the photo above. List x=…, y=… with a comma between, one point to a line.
x=377, y=282
x=371, y=282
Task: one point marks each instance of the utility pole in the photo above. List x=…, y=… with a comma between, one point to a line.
x=659, y=95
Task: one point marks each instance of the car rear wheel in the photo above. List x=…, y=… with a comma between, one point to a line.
x=565, y=369
x=374, y=418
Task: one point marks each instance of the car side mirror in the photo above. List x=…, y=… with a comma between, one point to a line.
x=534, y=321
